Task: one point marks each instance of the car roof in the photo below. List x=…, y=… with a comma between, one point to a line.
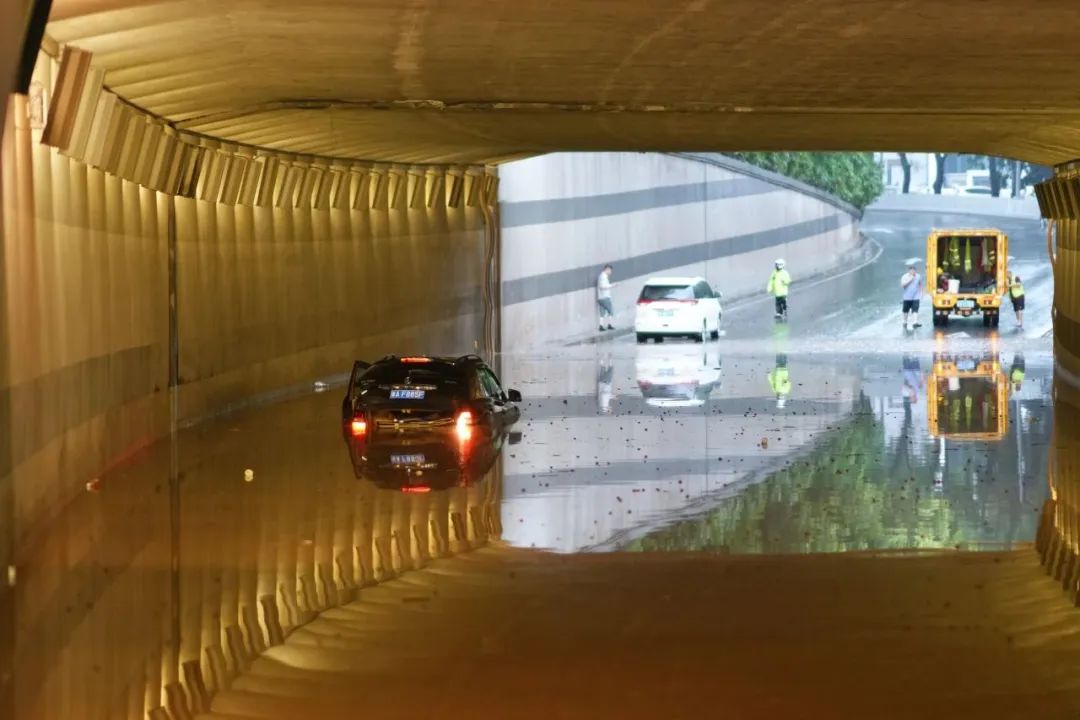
x=674, y=280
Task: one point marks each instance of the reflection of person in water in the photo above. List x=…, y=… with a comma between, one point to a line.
x=780, y=381
x=604, y=372
x=913, y=379
x=1016, y=373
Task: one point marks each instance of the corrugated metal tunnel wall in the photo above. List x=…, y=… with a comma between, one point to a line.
x=1059, y=535
x=136, y=259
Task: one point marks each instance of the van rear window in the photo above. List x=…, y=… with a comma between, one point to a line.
x=667, y=292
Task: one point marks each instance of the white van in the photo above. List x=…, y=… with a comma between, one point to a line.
x=677, y=307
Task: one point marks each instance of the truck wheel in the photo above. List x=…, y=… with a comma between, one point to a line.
x=642, y=338
x=994, y=319
x=986, y=320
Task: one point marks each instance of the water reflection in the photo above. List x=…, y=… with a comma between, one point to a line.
x=826, y=455
x=163, y=584
x=155, y=591
x=676, y=375
x=968, y=397
x=426, y=462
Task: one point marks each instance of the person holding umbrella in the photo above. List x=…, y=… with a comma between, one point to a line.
x=911, y=285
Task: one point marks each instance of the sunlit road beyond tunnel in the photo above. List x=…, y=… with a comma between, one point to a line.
x=345, y=368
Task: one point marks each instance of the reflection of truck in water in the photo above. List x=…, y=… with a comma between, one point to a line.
x=966, y=273
x=967, y=398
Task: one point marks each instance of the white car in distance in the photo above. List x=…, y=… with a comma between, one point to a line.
x=677, y=307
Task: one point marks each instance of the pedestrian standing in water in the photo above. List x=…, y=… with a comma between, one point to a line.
x=912, y=286
x=603, y=298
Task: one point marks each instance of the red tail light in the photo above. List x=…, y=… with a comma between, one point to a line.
x=416, y=489
x=644, y=301
x=463, y=425
x=415, y=359
x=358, y=427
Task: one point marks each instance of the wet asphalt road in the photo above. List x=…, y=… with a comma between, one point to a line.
x=866, y=303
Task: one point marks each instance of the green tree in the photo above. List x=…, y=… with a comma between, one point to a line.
x=853, y=176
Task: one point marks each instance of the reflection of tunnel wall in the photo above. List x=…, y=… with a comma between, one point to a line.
x=154, y=592
x=286, y=268
x=565, y=215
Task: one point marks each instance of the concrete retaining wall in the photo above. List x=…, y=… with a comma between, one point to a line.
x=567, y=214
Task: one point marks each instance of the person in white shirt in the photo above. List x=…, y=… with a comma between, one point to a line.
x=603, y=298
x=912, y=285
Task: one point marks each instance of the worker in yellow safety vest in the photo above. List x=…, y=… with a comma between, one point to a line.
x=1016, y=294
x=778, y=288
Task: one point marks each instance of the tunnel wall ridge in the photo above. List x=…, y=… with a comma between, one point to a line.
x=565, y=215
x=152, y=278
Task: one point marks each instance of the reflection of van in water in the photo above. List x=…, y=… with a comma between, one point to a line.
x=968, y=398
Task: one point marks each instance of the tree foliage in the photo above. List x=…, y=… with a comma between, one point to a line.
x=851, y=176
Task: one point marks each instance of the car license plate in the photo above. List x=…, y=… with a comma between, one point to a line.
x=665, y=313
x=965, y=305
x=965, y=365
x=415, y=459
x=666, y=372
x=406, y=394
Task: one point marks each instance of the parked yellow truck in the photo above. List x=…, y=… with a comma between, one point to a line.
x=967, y=273
x=968, y=397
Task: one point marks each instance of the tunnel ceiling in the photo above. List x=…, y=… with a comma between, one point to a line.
x=476, y=80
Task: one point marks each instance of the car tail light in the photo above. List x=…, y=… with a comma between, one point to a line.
x=415, y=359
x=644, y=301
x=463, y=425
x=358, y=427
x=416, y=489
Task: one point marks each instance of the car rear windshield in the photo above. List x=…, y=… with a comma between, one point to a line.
x=439, y=374
x=667, y=292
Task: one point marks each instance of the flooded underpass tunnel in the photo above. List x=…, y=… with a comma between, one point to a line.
x=374, y=361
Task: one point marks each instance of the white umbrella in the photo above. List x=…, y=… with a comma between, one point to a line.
x=912, y=261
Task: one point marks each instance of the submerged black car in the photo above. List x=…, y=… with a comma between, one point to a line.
x=399, y=396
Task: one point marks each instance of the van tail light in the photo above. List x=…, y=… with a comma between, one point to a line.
x=644, y=301
x=415, y=360
x=358, y=427
x=416, y=489
x=463, y=425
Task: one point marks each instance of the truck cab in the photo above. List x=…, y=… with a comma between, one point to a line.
x=967, y=274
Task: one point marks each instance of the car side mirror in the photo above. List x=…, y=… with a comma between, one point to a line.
x=513, y=395
x=718, y=295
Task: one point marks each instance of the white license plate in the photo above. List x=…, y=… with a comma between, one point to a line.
x=406, y=394
x=665, y=313
x=965, y=365
x=415, y=459
x=965, y=305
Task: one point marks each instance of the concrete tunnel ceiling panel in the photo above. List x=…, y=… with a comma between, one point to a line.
x=481, y=81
